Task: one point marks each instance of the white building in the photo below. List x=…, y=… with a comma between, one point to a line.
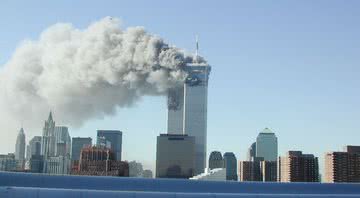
x=217, y=174
x=58, y=165
x=20, y=146
x=187, y=109
x=267, y=145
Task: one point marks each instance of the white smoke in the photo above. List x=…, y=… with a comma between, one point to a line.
x=84, y=74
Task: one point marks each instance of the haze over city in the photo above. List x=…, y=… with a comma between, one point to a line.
x=297, y=75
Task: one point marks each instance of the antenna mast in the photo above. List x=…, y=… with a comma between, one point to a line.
x=197, y=49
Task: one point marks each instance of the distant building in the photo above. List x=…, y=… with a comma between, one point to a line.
x=135, y=169
x=175, y=156
x=298, y=167
x=48, y=138
x=230, y=164
x=115, y=139
x=251, y=152
x=62, y=139
x=147, y=174
x=100, y=161
x=36, y=164
x=267, y=145
x=34, y=147
x=343, y=166
x=217, y=174
x=250, y=171
x=216, y=160
x=77, y=144
x=20, y=149
x=8, y=162
x=268, y=171
x=59, y=165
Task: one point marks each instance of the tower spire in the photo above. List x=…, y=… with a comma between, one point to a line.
x=197, y=49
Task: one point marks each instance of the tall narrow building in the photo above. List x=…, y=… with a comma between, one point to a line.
x=48, y=141
x=187, y=109
x=230, y=164
x=267, y=145
x=20, y=146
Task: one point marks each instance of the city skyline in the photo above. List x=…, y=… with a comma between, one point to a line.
x=291, y=76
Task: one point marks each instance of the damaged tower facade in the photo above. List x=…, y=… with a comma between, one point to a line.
x=187, y=109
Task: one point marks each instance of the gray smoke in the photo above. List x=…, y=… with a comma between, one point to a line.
x=83, y=74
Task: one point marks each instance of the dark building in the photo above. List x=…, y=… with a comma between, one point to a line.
x=36, y=163
x=251, y=170
x=343, y=166
x=216, y=160
x=252, y=152
x=100, y=161
x=77, y=144
x=175, y=156
x=115, y=139
x=298, y=167
x=230, y=163
x=268, y=171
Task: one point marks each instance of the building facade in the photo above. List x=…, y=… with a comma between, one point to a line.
x=343, y=166
x=8, y=162
x=268, y=171
x=187, y=109
x=59, y=165
x=34, y=147
x=230, y=164
x=251, y=152
x=77, y=144
x=62, y=139
x=48, y=144
x=298, y=167
x=175, y=156
x=20, y=146
x=216, y=160
x=267, y=145
x=115, y=139
x=100, y=161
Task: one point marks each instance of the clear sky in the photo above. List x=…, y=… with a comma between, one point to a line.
x=292, y=66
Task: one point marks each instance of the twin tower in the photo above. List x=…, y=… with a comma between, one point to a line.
x=187, y=110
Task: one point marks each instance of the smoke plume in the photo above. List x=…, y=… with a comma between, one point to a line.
x=89, y=73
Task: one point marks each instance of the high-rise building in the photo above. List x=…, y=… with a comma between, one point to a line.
x=298, y=167
x=77, y=144
x=175, y=156
x=216, y=160
x=36, y=163
x=20, y=149
x=48, y=138
x=267, y=145
x=135, y=169
x=100, y=161
x=251, y=170
x=252, y=152
x=268, y=171
x=230, y=164
x=62, y=139
x=343, y=166
x=59, y=165
x=187, y=109
x=34, y=147
x=115, y=139
x=8, y=162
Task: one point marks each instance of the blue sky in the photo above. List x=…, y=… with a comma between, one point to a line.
x=292, y=66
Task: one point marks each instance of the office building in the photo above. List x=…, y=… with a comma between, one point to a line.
x=147, y=173
x=34, y=147
x=36, y=164
x=230, y=164
x=100, y=161
x=135, y=169
x=187, y=109
x=115, y=139
x=77, y=144
x=216, y=160
x=298, y=167
x=343, y=166
x=62, y=139
x=48, y=138
x=175, y=156
x=268, y=171
x=59, y=165
x=20, y=146
x=251, y=152
x=267, y=145
x=8, y=162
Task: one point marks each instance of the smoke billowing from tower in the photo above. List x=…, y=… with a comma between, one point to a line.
x=81, y=74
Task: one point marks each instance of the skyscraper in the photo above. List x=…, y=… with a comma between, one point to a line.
x=20, y=146
x=216, y=160
x=298, y=167
x=34, y=146
x=252, y=152
x=63, y=139
x=230, y=163
x=48, y=138
x=267, y=145
x=77, y=144
x=175, y=156
x=343, y=166
x=187, y=109
x=115, y=139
